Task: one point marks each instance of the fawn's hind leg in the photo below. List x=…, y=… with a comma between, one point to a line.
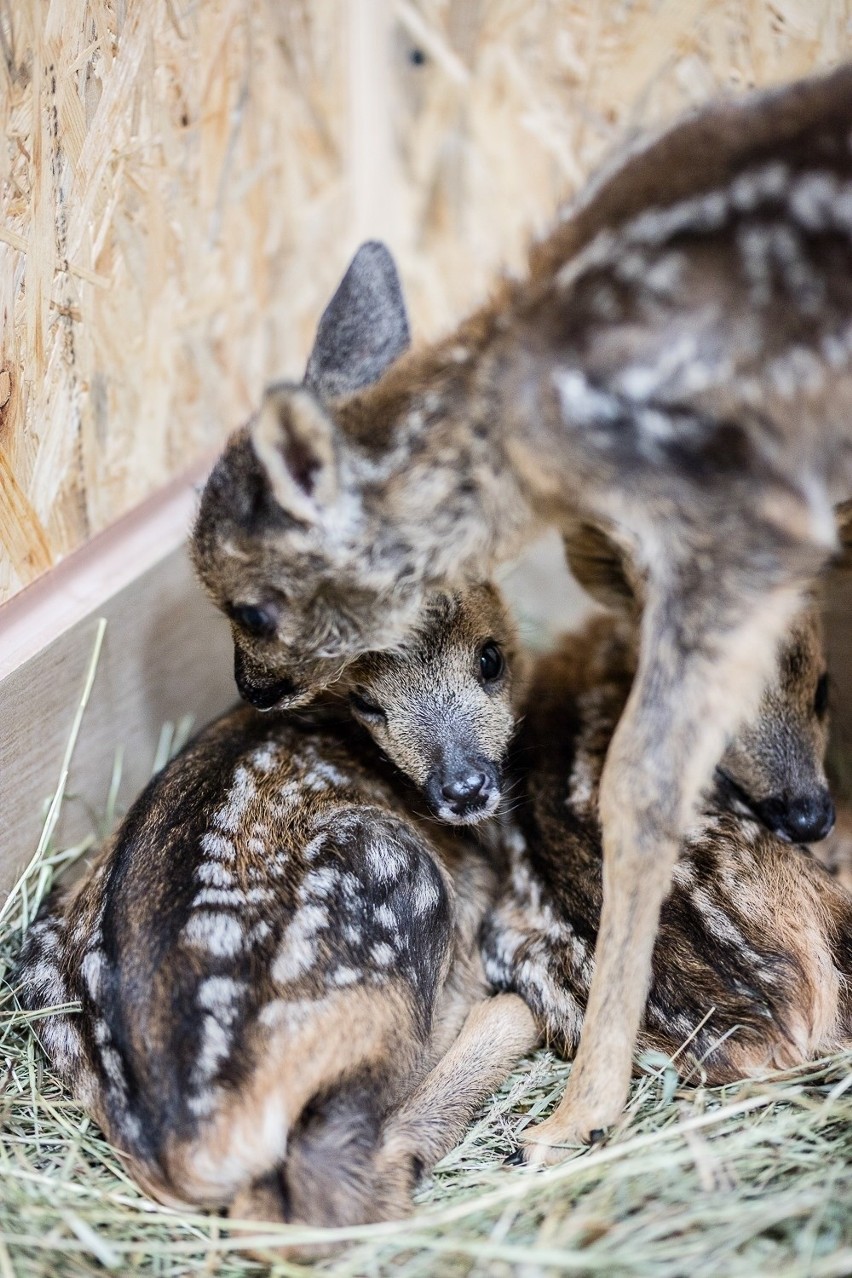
x=700, y=673
x=496, y=1034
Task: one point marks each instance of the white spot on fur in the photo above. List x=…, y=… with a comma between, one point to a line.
x=386, y=918
x=213, y=874
x=215, y=1046
x=219, y=994
x=113, y=1067
x=243, y=789
x=312, y=850
x=298, y=949
x=288, y=794
x=755, y=187
x=319, y=883
x=581, y=403
x=203, y=1103
x=382, y=954
x=386, y=860
x=664, y=277
x=219, y=934
x=219, y=896
x=322, y=775
x=344, y=976
x=91, y=969
x=265, y=758
x=812, y=200
x=217, y=846
x=47, y=985
x=425, y=896
x=61, y=1040
x=655, y=226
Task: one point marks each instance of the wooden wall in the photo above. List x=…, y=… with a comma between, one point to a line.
x=181, y=184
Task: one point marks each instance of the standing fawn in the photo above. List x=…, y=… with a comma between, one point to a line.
x=753, y=960
x=276, y=949
x=675, y=370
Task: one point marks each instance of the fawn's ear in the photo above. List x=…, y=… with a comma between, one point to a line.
x=599, y=566
x=363, y=329
x=293, y=438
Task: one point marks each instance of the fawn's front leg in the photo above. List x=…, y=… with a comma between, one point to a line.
x=686, y=700
x=496, y=1034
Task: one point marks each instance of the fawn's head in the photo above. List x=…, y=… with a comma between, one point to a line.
x=442, y=705
x=278, y=541
x=773, y=769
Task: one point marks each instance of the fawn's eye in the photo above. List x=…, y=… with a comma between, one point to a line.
x=363, y=706
x=821, y=696
x=491, y=662
x=257, y=621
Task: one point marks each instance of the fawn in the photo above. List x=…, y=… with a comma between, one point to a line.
x=275, y=955
x=674, y=370
x=752, y=964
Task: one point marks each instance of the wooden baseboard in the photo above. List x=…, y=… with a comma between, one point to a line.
x=166, y=654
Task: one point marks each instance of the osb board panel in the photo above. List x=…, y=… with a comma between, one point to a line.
x=170, y=183
x=165, y=654
x=181, y=184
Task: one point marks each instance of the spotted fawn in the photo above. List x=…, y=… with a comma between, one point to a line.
x=282, y=1004
x=674, y=369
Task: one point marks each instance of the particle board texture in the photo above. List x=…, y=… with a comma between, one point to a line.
x=181, y=185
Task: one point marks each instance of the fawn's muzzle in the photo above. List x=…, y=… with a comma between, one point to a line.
x=463, y=791
x=804, y=819
x=263, y=694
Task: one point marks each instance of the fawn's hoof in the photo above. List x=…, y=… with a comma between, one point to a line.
x=556, y=1139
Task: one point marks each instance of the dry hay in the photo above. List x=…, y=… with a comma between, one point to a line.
x=746, y=1180
x=742, y=1181
x=181, y=185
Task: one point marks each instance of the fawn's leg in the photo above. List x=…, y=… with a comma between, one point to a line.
x=496, y=1034
x=701, y=670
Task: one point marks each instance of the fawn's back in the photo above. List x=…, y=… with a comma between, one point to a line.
x=279, y=942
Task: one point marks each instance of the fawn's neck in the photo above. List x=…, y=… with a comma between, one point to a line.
x=438, y=486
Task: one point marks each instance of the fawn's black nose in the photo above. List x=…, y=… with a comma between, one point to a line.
x=805, y=819
x=464, y=787
x=462, y=791
x=263, y=696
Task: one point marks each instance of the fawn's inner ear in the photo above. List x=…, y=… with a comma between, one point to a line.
x=598, y=564
x=363, y=329
x=293, y=438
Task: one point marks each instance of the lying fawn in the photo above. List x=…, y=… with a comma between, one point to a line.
x=675, y=369
x=278, y=946
x=752, y=964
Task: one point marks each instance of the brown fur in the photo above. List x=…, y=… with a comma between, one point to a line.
x=753, y=959
x=279, y=944
x=675, y=370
